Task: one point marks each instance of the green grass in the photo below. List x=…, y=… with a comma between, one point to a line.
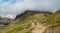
x=52, y=20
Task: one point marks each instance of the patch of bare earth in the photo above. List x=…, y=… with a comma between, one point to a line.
x=39, y=28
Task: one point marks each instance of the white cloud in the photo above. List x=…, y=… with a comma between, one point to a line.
x=9, y=16
x=22, y=5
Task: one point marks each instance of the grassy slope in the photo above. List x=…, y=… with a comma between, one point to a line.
x=52, y=21
x=16, y=26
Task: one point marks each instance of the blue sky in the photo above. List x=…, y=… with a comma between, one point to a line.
x=18, y=6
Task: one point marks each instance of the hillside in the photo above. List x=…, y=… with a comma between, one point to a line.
x=34, y=22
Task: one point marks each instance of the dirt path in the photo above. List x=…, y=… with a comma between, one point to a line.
x=39, y=29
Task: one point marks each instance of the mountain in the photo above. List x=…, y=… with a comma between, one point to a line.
x=34, y=22
x=4, y=21
x=31, y=12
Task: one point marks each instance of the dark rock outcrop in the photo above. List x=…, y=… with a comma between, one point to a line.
x=30, y=12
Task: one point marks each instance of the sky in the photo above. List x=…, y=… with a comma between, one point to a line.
x=15, y=7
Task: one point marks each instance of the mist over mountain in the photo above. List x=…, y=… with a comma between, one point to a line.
x=19, y=6
x=9, y=16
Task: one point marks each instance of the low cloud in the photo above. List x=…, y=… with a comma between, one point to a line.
x=18, y=6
